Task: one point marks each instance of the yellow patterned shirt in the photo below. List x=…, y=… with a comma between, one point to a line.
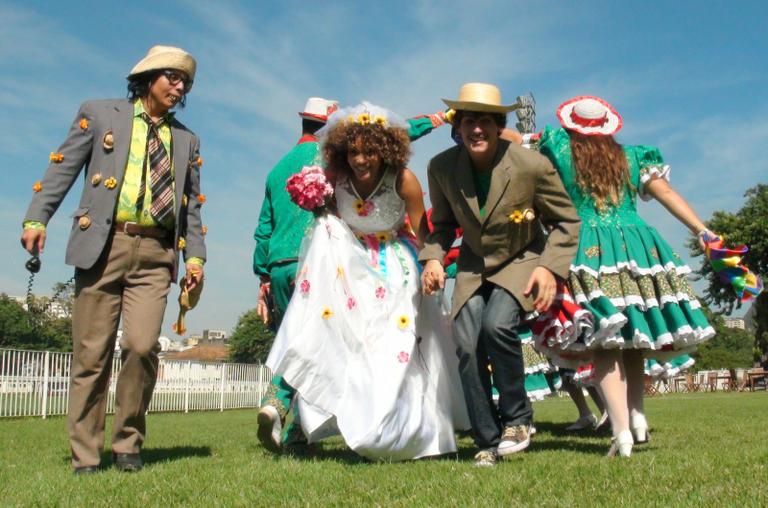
x=127, y=209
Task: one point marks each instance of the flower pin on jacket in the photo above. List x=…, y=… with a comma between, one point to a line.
x=37, y=187
x=84, y=123
x=110, y=183
x=108, y=142
x=520, y=216
x=56, y=157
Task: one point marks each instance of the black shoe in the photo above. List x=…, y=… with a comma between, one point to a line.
x=128, y=462
x=85, y=470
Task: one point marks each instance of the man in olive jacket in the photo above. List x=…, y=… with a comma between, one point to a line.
x=503, y=197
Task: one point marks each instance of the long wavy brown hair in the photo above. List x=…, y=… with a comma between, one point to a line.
x=392, y=144
x=601, y=167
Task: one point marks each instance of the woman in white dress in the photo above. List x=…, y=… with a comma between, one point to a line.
x=370, y=357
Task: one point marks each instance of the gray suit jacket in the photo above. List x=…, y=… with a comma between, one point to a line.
x=85, y=148
x=496, y=247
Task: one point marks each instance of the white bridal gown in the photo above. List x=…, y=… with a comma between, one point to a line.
x=369, y=356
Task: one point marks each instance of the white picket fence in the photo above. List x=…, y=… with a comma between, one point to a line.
x=36, y=383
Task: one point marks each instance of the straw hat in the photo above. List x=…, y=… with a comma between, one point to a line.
x=589, y=115
x=166, y=57
x=480, y=97
x=318, y=109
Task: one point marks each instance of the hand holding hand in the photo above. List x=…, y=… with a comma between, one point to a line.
x=543, y=286
x=432, y=277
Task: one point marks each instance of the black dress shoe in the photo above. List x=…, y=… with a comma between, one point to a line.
x=128, y=462
x=86, y=470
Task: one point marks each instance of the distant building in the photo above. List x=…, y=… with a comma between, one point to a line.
x=165, y=342
x=213, y=335
x=201, y=353
x=735, y=323
x=53, y=308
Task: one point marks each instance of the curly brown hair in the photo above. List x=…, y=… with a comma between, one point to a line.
x=601, y=167
x=391, y=143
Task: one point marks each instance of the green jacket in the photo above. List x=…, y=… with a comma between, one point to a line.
x=282, y=224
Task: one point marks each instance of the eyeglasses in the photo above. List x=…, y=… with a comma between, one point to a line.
x=176, y=77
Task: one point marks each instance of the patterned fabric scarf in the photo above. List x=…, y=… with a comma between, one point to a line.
x=160, y=177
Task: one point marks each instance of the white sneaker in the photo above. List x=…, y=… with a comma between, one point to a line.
x=270, y=428
x=585, y=422
x=486, y=458
x=514, y=439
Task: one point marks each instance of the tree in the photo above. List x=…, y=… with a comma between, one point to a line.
x=251, y=339
x=20, y=329
x=747, y=226
x=729, y=349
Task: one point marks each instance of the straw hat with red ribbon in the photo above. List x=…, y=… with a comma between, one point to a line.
x=589, y=115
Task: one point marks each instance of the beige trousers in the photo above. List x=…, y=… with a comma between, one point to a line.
x=131, y=279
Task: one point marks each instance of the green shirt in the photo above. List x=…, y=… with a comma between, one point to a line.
x=482, y=185
x=127, y=207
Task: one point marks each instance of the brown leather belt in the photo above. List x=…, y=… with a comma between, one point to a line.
x=135, y=229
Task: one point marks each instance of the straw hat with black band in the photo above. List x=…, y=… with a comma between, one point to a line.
x=480, y=97
x=165, y=57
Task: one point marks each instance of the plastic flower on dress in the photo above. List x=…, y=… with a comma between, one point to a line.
x=380, y=292
x=327, y=313
x=309, y=188
x=363, y=207
x=37, y=187
x=304, y=286
x=56, y=157
x=83, y=123
x=403, y=357
x=403, y=322
x=110, y=183
x=351, y=303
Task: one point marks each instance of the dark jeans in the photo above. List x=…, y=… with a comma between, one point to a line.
x=486, y=330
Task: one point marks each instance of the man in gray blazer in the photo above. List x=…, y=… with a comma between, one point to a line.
x=139, y=208
x=503, y=197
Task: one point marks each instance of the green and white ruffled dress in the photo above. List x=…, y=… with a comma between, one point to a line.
x=624, y=272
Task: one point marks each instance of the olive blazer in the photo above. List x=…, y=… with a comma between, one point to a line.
x=529, y=221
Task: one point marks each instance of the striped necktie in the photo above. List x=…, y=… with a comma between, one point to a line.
x=160, y=177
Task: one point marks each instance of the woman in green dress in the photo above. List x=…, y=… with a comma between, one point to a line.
x=624, y=273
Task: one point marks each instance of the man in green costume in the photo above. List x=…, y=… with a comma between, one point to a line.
x=282, y=226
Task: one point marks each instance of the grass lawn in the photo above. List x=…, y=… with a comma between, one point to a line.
x=706, y=450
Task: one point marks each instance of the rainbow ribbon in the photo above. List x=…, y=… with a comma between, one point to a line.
x=727, y=264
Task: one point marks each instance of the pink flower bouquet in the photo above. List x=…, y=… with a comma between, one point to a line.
x=309, y=189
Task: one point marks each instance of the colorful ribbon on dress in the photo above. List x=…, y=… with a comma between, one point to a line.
x=727, y=264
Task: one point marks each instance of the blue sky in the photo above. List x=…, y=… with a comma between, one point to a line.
x=687, y=76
